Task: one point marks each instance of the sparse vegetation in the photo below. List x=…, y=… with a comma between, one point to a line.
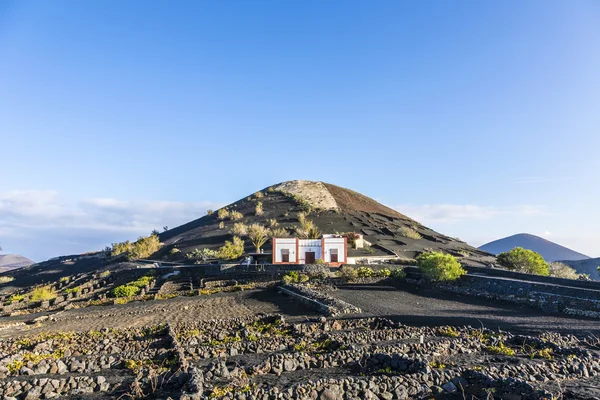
x=501, y=348
x=348, y=274
x=259, y=208
x=258, y=235
x=364, y=272
x=295, y=277
x=209, y=212
x=43, y=293
x=383, y=273
x=273, y=223
x=221, y=225
x=280, y=232
x=523, y=260
x=232, y=250
x=259, y=195
x=438, y=267
x=308, y=230
x=6, y=279
x=409, y=232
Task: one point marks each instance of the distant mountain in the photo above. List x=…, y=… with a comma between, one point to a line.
x=588, y=266
x=12, y=261
x=549, y=250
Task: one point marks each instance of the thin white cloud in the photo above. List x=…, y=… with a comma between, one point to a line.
x=450, y=213
x=41, y=224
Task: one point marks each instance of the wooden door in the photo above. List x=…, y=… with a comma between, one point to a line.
x=309, y=257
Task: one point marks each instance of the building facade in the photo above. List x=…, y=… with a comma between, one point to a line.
x=331, y=249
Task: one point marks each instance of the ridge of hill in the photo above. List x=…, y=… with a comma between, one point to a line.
x=332, y=209
x=12, y=261
x=549, y=250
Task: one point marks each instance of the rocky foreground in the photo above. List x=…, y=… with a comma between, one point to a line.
x=266, y=357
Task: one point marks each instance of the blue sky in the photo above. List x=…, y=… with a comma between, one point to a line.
x=480, y=119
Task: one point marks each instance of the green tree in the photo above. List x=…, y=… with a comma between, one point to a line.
x=523, y=260
x=232, y=250
x=439, y=267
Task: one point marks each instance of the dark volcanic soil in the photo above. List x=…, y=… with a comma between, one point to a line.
x=431, y=307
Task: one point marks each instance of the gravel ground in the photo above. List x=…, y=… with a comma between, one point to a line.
x=429, y=307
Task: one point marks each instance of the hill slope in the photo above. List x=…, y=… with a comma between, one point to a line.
x=333, y=210
x=12, y=261
x=549, y=250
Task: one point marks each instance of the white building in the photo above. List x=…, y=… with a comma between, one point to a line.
x=332, y=249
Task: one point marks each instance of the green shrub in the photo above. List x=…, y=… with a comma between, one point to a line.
x=319, y=261
x=280, y=232
x=398, y=274
x=409, y=232
x=64, y=279
x=259, y=195
x=523, y=260
x=43, y=293
x=174, y=251
x=125, y=291
x=236, y=215
x=364, y=272
x=141, y=282
x=104, y=274
x=209, y=212
x=302, y=278
x=287, y=279
x=73, y=290
x=223, y=213
x=6, y=279
x=501, y=348
x=349, y=274
x=240, y=229
x=221, y=225
x=273, y=223
x=232, y=250
x=439, y=267
x=307, y=230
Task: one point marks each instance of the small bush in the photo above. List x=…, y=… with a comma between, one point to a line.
x=6, y=279
x=223, y=213
x=240, y=229
x=236, y=215
x=302, y=278
x=126, y=291
x=259, y=209
x=439, y=267
x=287, y=279
x=174, y=251
x=501, y=348
x=142, y=248
x=349, y=274
x=410, y=233
x=104, y=274
x=364, y=272
x=523, y=260
x=259, y=195
x=258, y=235
x=16, y=298
x=221, y=225
x=64, y=279
x=351, y=238
x=319, y=261
x=398, y=274
x=280, y=233
x=273, y=223
x=73, y=290
x=561, y=270
x=209, y=212
x=42, y=294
